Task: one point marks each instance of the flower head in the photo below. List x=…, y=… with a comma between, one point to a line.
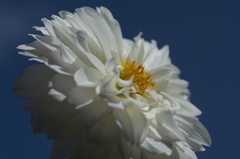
x=100, y=95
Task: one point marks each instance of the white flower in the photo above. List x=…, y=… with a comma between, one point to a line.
x=102, y=96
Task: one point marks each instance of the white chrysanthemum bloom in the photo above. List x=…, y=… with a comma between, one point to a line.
x=102, y=96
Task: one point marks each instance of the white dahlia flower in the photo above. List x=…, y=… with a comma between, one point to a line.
x=100, y=96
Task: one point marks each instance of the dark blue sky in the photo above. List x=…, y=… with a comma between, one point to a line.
x=204, y=39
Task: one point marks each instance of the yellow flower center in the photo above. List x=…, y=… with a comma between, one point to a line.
x=141, y=77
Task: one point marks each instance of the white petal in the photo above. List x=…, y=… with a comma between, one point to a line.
x=101, y=30
x=87, y=77
x=33, y=82
x=188, y=108
x=153, y=134
x=82, y=45
x=81, y=95
x=54, y=58
x=74, y=47
x=137, y=52
x=64, y=14
x=104, y=131
x=42, y=29
x=65, y=37
x=45, y=106
x=79, y=22
x=184, y=152
x=59, y=69
x=174, y=105
x=49, y=28
x=110, y=87
x=140, y=124
x=150, y=114
x=62, y=83
x=39, y=123
x=178, y=83
x=62, y=23
x=33, y=76
x=149, y=48
x=25, y=53
x=45, y=41
x=123, y=120
x=25, y=47
x=157, y=58
x=32, y=93
x=129, y=150
x=127, y=45
x=196, y=135
x=155, y=147
x=114, y=25
x=161, y=73
x=91, y=113
x=166, y=126
x=116, y=101
x=96, y=62
x=137, y=99
x=175, y=87
x=62, y=148
x=82, y=41
x=36, y=48
x=67, y=55
x=56, y=95
x=110, y=66
x=95, y=49
x=161, y=85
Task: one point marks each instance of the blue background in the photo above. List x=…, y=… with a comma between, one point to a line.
x=204, y=39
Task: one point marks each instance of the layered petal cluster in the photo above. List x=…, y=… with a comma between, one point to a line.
x=99, y=95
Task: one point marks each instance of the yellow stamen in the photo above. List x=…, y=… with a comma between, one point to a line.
x=141, y=77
